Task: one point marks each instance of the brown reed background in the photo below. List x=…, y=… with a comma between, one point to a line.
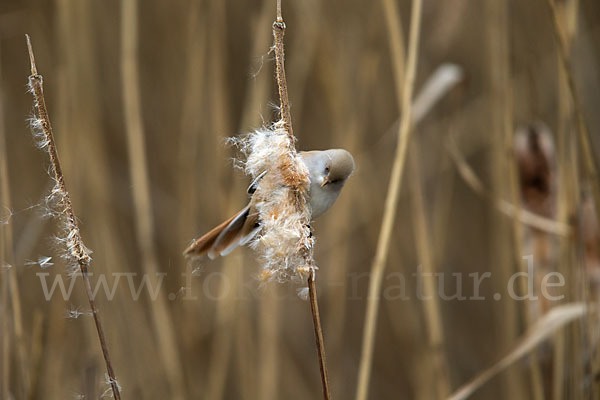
x=204, y=73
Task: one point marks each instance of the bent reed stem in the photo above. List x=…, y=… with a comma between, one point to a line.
x=78, y=249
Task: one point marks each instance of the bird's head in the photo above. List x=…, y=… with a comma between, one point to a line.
x=339, y=165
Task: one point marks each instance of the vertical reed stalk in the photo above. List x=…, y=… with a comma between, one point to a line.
x=219, y=119
x=13, y=287
x=568, y=370
x=565, y=208
x=504, y=110
x=161, y=320
x=314, y=306
x=278, y=34
x=269, y=345
x=7, y=256
x=5, y=338
x=389, y=215
x=222, y=344
x=431, y=306
x=584, y=135
x=4, y=321
x=253, y=382
x=505, y=256
x=77, y=248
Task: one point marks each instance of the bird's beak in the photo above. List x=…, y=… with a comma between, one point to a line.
x=325, y=182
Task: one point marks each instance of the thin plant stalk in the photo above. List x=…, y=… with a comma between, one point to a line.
x=507, y=208
x=543, y=329
x=269, y=344
x=278, y=34
x=506, y=173
x=431, y=306
x=77, y=248
x=8, y=256
x=567, y=344
x=582, y=128
x=4, y=337
x=161, y=319
x=314, y=306
x=396, y=39
x=266, y=343
x=501, y=254
x=219, y=120
x=391, y=202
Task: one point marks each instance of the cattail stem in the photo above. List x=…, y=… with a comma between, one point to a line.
x=286, y=117
x=109, y=368
x=77, y=248
x=278, y=34
x=314, y=306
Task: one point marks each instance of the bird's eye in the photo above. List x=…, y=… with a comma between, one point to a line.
x=327, y=169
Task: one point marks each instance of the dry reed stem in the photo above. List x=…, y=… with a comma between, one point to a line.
x=144, y=221
x=269, y=344
x=4, y=324
x=228, y=308
x=278, y=34
x=220, y=117
x=525, y=217
x=190, y=124
x=542, y=330
x=251, y=379
x=77, y=248
x=5, y=366
x=396, y=40
x=314, y=306
x=582, y=128
x=431, y=306
x=564, y=210
x=264, y=381
x=390, y=206
x=568, y=345
x=8, y=256
x=501, y=255
x=443, y=79
x=221, y=347
x=537, y=385
x=505, y=172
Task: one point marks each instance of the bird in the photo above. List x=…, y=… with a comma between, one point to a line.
x=328, y=170
x=535, y=157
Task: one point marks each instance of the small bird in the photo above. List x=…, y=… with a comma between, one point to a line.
x=328, y=172
x=535, y=156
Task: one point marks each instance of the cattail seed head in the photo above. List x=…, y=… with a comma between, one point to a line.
x=284, y=243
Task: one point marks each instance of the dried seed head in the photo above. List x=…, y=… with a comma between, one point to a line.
x=284, y=244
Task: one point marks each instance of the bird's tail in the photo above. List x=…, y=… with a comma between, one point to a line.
x=224, y=238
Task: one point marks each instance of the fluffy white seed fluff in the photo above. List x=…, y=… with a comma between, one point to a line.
x=57, y=204
x=284, y=244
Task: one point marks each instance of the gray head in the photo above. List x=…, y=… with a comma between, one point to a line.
x=339, y=165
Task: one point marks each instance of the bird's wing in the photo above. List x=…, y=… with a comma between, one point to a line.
x=219, y=236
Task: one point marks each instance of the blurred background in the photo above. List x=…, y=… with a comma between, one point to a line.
x=142, y=96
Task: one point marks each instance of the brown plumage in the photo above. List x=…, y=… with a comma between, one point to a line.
x=328, y=169
x=534, y=149
x=222, y=239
